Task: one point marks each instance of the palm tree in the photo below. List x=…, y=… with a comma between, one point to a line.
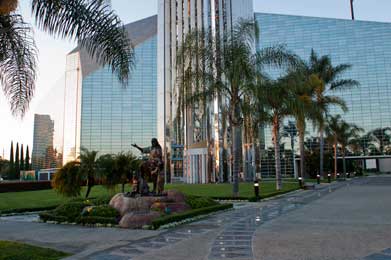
x=290, y=131
x=225, y=73
x=88, y=167
x=106, y=171
x=279, y=99
x=68, y=180
x=124, y=166
x=303, y=87
x=329, y=78
x=340, y=132
x=382, y=136
x=91, y=23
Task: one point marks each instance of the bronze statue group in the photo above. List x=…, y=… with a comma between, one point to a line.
x=151, y=169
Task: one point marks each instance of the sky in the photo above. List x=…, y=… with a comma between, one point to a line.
x=52, y=53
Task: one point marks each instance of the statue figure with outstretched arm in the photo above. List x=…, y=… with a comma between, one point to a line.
x=154, y=164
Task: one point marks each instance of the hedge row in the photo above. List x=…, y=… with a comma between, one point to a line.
x=24, y=186
x=189, y=214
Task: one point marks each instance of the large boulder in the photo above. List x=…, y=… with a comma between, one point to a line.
x=139, y=204
x=125, y=204
x=138, y=219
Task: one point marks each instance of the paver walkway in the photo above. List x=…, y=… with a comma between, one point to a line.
x=281, y=228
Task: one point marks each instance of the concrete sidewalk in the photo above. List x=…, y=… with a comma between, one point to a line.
x=351, y=223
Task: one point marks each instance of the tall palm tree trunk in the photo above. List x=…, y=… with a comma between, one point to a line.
x=321, y=151
x=276, y=129
x=335, y=160
x=302, y=157
x=236, y=158
x=344, y=161
x=293, y=157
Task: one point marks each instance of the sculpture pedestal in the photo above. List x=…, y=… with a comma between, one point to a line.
x=139, y=211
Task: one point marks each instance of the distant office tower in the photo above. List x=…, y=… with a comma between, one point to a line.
x=43, y=155
x=102, y=115
x=193, y=138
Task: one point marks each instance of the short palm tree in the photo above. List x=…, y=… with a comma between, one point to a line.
x=341, y=133
x=88, y=167
x=124, y=166
x=382, y=136
x=329, y=78
x=91, y=23
x=226, y=73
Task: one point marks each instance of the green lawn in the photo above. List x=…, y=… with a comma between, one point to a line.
x=36, y=200
x=18, y=251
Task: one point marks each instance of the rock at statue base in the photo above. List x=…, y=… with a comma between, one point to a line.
x=125, y=204
x=137, y=219
x=175, y=196
x=174, y=207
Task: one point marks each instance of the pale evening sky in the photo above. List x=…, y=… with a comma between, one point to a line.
x=52, y=52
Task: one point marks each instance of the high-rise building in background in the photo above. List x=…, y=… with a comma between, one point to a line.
x=43, y=154
x=102, y=115
x=193, y=139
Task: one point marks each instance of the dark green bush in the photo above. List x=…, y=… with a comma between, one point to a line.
x=71, y=211
x=189, y=214
x=51, y=216
x=101, y=200
x=97, y=220
x=103, y=211
x=196, y=202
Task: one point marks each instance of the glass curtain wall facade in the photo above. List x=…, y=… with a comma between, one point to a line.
x=364, y=45
x=193, y=137
x=102, y=115
x=114, y=117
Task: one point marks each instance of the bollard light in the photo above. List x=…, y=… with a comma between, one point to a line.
x=348, y=175
x=256, y=189
x=301, y=182
x=338, y=175
x=329, y=177
x=318, y=178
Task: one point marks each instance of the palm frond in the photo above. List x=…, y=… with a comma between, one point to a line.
x=94, y=25
x=344, y=84
x=18, y=57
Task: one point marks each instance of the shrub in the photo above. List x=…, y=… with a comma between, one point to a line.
x=68, y=181
x=101, y=200
x=97, y=220
x=196, y=202
x=104, y=211
x=189, y=214
x=71, y=211
x=24, y=186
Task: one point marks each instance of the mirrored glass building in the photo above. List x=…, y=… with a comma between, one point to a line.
x=102, y=115
x=364, y=45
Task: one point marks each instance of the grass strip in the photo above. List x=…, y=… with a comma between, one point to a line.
x=18, y=251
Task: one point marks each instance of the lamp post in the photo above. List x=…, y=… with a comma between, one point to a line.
x=352, y=8
x=301, y=182
x=256, y=189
